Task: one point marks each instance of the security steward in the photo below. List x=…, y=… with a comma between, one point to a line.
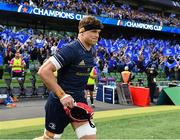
x=90, y=85
x=17, y=64
x=126, y=75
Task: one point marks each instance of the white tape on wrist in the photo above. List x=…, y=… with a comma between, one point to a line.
x=65, y=96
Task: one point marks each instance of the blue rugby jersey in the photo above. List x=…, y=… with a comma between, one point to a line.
x=76, y=63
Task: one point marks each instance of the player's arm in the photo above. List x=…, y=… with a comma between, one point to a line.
x=46, y=74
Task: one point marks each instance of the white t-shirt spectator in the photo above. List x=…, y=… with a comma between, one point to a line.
x=53, y=49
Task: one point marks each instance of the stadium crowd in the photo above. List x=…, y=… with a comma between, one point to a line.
x=112, y=55
x=104, y=9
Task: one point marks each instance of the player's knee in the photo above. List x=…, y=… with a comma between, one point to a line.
x=85, y=130
x=49, y=135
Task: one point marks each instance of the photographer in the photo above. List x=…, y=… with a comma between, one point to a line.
x=151, y=71
x=151, y=79
x=170, y=67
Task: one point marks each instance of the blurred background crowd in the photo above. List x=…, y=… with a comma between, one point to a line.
x=105, y=9
x=112, y=54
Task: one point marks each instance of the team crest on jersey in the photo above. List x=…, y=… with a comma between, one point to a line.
x=52, y=125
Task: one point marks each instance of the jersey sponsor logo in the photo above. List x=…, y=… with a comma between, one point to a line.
x=82, y=74
x=86, y=72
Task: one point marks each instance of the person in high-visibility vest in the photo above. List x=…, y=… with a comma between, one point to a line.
x=126, y=75
x=17, y=64
x=90, y=85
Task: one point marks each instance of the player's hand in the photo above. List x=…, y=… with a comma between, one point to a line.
x=67, y=101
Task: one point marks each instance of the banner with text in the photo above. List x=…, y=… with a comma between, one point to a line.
x=73, y=16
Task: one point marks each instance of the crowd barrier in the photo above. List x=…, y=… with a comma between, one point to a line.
x=133, y=95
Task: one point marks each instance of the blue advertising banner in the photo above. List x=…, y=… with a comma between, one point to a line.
x=73, y=16
x=8, y=7
x=140, y=25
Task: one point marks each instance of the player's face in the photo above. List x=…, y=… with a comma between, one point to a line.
x=91, y=36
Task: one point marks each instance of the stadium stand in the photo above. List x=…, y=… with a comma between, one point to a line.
x=118, y=47
x=107, y=9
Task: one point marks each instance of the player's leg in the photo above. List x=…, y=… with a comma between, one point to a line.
x=48, y=136
x=55, y=120
x=83, y=130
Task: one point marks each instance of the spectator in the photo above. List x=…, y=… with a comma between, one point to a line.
x=53, y=49
x=105, y=9
x=26, y=58
x=17, y=64
x=90, y=85
x=170, y=65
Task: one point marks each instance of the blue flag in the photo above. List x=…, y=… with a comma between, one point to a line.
x=7, y=34
x=1, y=60
x=147, y=53
x=129, y=53
x=106, y=43
x=177, y=49
x=39, y=43
x=170, y=66
x=113, y=49
x=146, y=62
x=4, y=35
x=118, y=43
x=156, y=47
x=21, y=37
x=168, y=51
x=60, y=43
x=101, y=42
x=30, y=31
